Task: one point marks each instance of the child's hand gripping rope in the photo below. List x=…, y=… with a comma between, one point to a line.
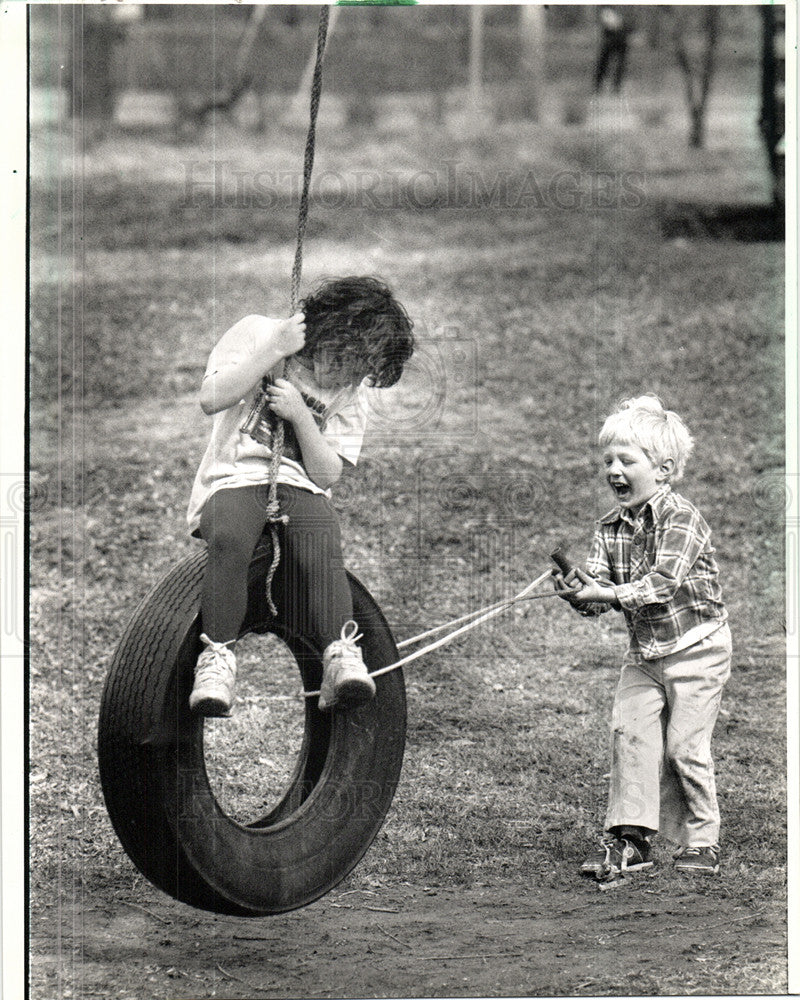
x=292, y=334
x=569, y=581
x=576, y=586
x=285, y=401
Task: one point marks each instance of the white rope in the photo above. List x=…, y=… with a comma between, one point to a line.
x=479, y=617
x=505, y=603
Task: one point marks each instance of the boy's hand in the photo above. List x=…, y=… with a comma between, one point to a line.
x=566, y=586
x=286, y=402
x=291, y=334
x=580, y=588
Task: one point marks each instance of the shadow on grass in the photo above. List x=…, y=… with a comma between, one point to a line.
x=743, y=223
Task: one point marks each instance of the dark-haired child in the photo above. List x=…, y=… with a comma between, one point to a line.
x=350, y=333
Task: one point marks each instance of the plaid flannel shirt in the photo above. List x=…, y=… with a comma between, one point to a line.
x=661, y=566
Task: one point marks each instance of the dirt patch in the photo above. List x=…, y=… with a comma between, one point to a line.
x=394, y=940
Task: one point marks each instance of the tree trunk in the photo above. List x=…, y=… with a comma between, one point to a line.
x=532, y=39
x=476, y=56
x=697, y=80
x=92, y=92
x=697, y=136
x=242, y=72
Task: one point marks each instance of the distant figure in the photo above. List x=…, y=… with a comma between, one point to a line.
x=615, y=27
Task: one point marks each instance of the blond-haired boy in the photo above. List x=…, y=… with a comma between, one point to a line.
x=652, y=559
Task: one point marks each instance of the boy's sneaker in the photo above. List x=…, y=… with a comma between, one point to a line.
x=698, y=860
x=615, y=856
x=344, y=676
x=214, y=679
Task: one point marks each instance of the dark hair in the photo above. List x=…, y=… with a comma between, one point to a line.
x=363, y=326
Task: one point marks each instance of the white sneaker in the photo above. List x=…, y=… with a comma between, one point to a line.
x=344, y=676
x=214, y=679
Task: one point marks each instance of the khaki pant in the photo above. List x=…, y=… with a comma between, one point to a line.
x=662, y=774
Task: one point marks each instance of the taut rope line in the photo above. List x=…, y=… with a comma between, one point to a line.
x=479, y=617
x=258, y=423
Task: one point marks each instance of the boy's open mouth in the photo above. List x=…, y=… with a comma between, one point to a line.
x=621, y=489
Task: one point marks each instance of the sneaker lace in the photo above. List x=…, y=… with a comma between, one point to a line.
x=219, y=664
x=350, y=635
x=696, y=852
x=607, y=846
x=627, y=850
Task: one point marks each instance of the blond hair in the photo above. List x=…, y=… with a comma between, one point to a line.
x=660, y=433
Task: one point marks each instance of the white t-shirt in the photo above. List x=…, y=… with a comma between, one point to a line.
x=234, y=459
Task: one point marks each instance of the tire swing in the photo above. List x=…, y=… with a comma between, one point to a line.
x=151, y=748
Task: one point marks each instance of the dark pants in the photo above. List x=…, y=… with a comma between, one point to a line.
x=310, y=587
x=613, y=48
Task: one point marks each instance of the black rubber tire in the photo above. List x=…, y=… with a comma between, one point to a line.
x=153, y=774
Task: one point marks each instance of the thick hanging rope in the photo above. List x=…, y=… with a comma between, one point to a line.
x=261, y=424
x=308, y=160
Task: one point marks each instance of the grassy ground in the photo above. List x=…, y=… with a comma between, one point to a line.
x=538, y=303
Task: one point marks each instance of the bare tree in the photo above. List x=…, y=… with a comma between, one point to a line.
x=91, y=83
x=697, y=73
x=241, y=77
x=532, y=45
x=476, y=55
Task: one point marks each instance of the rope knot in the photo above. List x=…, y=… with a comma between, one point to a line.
x=273, y=512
